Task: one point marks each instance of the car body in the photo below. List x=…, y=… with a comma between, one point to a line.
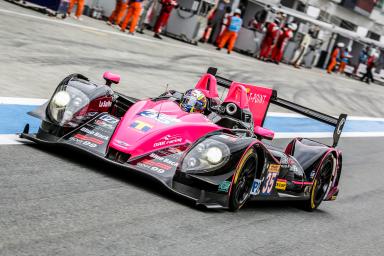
x=217, y=158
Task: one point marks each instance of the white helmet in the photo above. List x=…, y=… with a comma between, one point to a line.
x=340, y=44
x=237, y=11
x=292, y=26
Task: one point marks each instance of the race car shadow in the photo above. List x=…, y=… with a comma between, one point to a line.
x=153, y=186
x=138, y=180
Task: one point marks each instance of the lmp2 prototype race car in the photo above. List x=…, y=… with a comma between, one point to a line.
x=214, y=156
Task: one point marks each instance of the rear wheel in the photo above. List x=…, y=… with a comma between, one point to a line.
x=243, y=181
x=320, y=185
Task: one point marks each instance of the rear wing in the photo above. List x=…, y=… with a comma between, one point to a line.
x=337, y=123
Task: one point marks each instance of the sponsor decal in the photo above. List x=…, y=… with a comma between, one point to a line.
x=281, y=184
x=141, y=126
x=333, y=198
x=94, y=133
x=156, y=164
x=151, y=168
x=160, y=117
x=268, y=183
x=224, y=186
x=168, y=140
x=88, y=138
x=256, y=98
x=109, y=119
x=163, y=159
x=274, y=168
x=255, y=190
x=104, y=124
x=312, y=175
x=121, y=143
x=105, y=104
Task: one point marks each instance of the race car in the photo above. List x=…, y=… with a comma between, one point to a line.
x=215, y=156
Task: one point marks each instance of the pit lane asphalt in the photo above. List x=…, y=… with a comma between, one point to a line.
x=54, y=203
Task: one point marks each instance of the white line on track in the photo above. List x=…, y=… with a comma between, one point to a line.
x=11, y=139
x=22, y=101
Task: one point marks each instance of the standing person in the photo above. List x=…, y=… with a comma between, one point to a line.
x=335, y=57
x=371, y=62
x=132, y=17
x=215, y=19
x=273, y=31
x=117, y=14
x=363, y=57
x=300, y=52
x=344, y=59
x=230, y=34
x=286, y=35
x=79, y=10
x=162, y=19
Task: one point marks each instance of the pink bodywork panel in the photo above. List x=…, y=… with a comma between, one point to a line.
x=208, y=85
x=114, y=78
x=142, y=130
x=238, y=95
x=263, y=132
x=258, y=100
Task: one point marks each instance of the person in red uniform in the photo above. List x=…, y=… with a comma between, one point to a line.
x=335, y=57
x=273, y=31
x=117, y=14
x=371, y=62
x=230, y=33
x=286, y=35
x=162, y=19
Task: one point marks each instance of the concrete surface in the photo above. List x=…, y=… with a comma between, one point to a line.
x=52, y=203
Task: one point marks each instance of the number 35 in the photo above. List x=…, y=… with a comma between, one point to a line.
x=268, y=185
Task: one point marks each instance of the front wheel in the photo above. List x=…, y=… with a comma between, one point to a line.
x=243, y=180
x=320, y=185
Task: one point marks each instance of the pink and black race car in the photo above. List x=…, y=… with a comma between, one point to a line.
x=216, y=158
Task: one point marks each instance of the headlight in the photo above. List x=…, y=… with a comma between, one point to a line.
x=214, y=155
x=206, y=156
x=61, y=99
x=66, y=104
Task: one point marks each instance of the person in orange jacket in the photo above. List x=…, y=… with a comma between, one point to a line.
x=230, y=34
x=132, y=17
x=117, y=14
x=273, y=31
x=278, y=50
x=335, y=57
x=79, y=10
x=162, y=19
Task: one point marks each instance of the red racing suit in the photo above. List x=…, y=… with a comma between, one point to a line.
x=166, y=9
x=269, y=40
x=278, y=50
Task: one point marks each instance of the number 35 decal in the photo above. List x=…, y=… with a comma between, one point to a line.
x=269, y=182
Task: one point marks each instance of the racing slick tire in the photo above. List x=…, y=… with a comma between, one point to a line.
x=321, y=184
x=243, y=180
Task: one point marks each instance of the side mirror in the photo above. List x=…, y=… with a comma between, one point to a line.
x=264, y=133
x=111, y=78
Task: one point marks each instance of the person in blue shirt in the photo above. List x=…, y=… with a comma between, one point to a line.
x=344, y=59
x=230, y=34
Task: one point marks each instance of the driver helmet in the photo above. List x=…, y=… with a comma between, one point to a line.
x=193, y=101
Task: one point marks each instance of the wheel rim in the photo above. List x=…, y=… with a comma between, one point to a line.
x=245, y=181
x=322, y=182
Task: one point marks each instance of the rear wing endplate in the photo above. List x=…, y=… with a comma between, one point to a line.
x=337, y=123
